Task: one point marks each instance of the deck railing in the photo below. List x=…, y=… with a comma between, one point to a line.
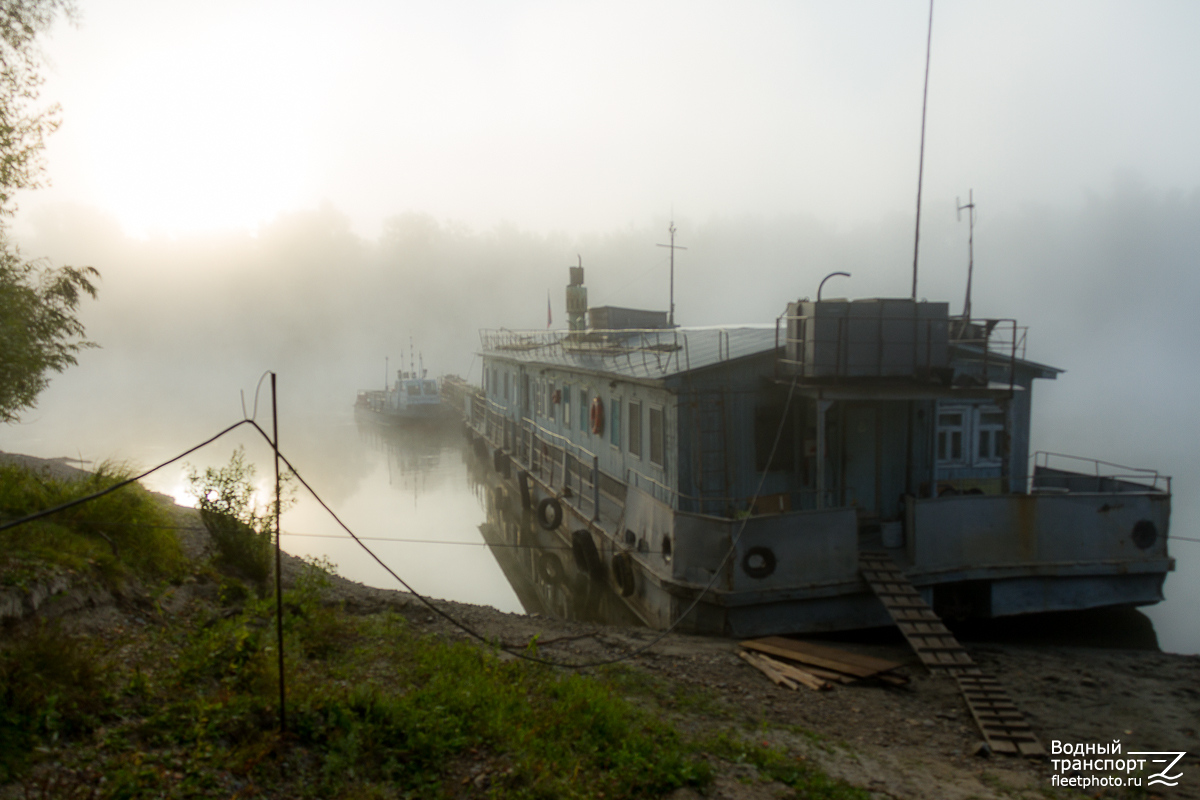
x=1049, y=474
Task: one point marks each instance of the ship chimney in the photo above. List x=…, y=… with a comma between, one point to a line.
x=577, y=299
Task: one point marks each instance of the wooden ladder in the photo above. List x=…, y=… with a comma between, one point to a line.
x=1002, y=724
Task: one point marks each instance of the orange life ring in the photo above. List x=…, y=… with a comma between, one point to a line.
x=597, y=416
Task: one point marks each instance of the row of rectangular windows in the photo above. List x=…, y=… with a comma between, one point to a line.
x=547, y=397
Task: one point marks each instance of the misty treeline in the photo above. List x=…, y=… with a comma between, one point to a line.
x=1110, y=276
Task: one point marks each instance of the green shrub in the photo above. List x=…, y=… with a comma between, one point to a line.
x=51, y=686
x=124, y=532
x=240, y=526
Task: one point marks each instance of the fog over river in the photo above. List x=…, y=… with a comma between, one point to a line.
x=264, y=187
x=324, y=308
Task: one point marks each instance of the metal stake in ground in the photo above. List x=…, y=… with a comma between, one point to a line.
x=278, y=559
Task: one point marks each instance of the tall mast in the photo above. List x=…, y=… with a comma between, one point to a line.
x=921, y=162
x=674, y=247
x=970, y=207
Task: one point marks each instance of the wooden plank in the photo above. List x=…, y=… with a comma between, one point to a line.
x=770, y=649
x=797, y=674
x=765, y=669
x=836, y=659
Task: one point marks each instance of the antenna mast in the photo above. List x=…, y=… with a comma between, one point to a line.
x=970, y=207
x=921, y=163
x=674, y=247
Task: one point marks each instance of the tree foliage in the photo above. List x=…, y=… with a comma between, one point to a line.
x=39, y=330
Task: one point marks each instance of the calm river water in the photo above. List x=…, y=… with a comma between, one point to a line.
x=420, y=503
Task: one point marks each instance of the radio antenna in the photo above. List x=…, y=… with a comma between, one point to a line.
x=921, y=162
x=970, y=207
x=674, y=247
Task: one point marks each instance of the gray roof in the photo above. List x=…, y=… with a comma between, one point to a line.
x=644, y=354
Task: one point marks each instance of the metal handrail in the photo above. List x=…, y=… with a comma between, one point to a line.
x=1041, y=458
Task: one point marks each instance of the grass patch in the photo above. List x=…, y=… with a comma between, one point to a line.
x=122, y=534
x=773, y=763
x=52, y=686
x=375, y=710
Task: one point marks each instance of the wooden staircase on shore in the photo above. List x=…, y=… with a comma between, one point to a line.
x=1002, y=724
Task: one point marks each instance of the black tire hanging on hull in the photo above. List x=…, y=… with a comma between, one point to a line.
x=549, y=513
x=587, y=557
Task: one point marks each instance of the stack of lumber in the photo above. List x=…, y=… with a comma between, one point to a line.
x=792, y=663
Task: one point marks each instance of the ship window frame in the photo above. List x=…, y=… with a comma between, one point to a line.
x=658, y=438
x=551, y=411
x=584, y=400
x=634, y=421
x=995, y=439
x=566, y=402
x=944, y=436
x=614, y=422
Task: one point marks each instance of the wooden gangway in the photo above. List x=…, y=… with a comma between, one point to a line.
x=1002, y=724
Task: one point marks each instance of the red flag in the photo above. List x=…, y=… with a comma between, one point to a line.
x=549, y=318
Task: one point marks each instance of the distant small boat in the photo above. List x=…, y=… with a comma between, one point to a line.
x=412, y=398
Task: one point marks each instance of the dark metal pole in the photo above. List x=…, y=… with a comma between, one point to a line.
x=674, y=247
x=970, y=206
x=278, y=560
x=921, y=163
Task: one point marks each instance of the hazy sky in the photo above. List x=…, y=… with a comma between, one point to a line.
x=589, y=116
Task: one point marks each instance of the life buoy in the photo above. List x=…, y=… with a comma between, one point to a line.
x=596, y=416
x=554, y=519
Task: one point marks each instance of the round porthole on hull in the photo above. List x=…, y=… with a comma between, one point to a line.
x=1145, y=534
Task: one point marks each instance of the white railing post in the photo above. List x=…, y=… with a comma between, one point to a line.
x=595, y=488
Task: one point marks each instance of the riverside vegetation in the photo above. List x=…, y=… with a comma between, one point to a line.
x=179, y=699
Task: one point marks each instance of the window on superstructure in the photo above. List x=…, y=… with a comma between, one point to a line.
x=951, y=436
x=614, y=424
x=635, y=429
x=413, y=388
x=657, y=444
x=989, y=430
x=566, y=397
x=551, y=409
x=506, y=386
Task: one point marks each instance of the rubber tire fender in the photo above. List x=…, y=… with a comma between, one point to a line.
x=587, y=557
x=556, y=513
x=762, y=570
x=622, y=569
x=550, y=569
x=526, y=496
